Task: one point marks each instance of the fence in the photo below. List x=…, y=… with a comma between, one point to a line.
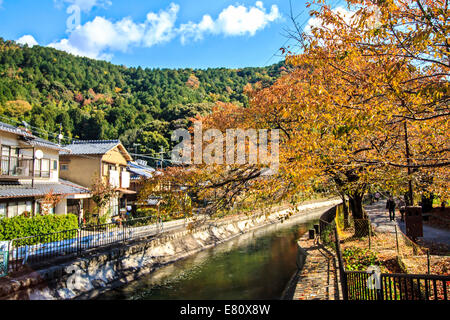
x=392, y=242
x=43, y=248
x=372, y=285
x=3, y=263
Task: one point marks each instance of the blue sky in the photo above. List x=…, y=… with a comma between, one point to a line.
x=156, y=33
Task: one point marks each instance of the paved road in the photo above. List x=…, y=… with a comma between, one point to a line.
x=380, y=220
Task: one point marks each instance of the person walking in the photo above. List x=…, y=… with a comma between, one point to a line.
x=377, y=196
x=390, y=205
x=402, y=208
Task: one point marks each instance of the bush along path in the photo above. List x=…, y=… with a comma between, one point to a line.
x=387, y=246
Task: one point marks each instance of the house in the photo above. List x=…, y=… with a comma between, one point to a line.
x=140, y=172
x=89, y=161
x=29, y=172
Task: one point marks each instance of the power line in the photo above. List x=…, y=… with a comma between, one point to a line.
x=36, y=130
x=149, y=157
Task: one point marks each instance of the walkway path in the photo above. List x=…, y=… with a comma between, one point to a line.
x=380, y=220
x=318, y=279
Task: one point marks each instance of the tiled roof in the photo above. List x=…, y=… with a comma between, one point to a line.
x=138, y=171
x=91, y=146
x=12, y=129
x=30, y=138
x=44, y=143
x=21, y=190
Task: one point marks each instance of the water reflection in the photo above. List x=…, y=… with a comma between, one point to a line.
x=256, y=265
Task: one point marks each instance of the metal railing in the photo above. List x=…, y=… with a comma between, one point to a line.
x=36, y=251
x=16, y=167
x=44, y=248
x=414, y=287
x=3, y=263
x=367, y=285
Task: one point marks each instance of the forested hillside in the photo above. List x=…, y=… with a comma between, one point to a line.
x=93, y=99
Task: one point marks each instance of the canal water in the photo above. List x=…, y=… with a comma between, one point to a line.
x=256, y=265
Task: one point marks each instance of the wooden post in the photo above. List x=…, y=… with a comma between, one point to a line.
x=316, y=228
x=396, y=240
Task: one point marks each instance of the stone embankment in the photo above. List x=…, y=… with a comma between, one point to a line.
x=88, y=276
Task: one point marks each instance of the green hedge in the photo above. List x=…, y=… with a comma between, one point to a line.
x=19, y=227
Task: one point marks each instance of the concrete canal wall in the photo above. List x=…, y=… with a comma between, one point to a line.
x=86, y=277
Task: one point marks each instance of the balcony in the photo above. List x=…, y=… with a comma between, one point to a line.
x=21, y=167
x=16, y=168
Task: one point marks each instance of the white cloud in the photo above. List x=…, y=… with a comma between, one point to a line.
x=26, y=39
x=160, y=27
x=100, y=37
x=232, y=21
x=85, y=5
x=315, y=22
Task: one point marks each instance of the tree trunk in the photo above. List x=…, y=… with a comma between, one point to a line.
x=345, y=209
x=361, y=221
x=356, y=206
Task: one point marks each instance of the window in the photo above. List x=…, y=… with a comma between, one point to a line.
x=55, y=165
x=42, y=168
x=5, y=160
x=2, y=210
x=13, y=160
x=21, y=207
x=64, y=167
x=114, y=206
x=12, y=209
x=29, y=206
x=105, y=169
x=37, y=168
x=39, y=209
x=10, y=160
x=45, y=168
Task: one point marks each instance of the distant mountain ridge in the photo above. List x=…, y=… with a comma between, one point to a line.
x=93, y=99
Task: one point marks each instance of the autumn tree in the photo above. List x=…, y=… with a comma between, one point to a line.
x=394, y=57
x=102, y=193
x=49, y=201
x=365, y=104
x=171, y=193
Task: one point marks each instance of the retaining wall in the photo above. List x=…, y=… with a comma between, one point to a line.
x=86, y=277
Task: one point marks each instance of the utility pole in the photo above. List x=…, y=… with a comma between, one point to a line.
x=162, y=156
x=60, y=136
x=135, y=145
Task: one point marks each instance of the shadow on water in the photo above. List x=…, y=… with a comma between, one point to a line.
x=256, y=265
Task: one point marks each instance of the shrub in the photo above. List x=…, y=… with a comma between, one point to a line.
x=358, y=259
x=20, y=227
x=144, y=212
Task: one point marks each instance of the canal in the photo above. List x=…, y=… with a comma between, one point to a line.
x=255, y=265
